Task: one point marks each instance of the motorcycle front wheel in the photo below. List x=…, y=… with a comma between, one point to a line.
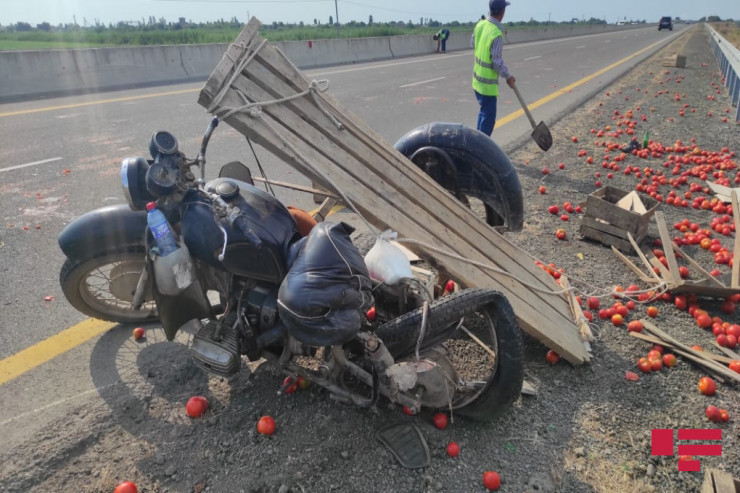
x=102, y=286
x=481, y=341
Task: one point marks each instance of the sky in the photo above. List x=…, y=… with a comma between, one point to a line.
x=295, y=11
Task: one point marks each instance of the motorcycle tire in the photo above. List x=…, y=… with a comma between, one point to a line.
x=102, y=285
x=504, y=384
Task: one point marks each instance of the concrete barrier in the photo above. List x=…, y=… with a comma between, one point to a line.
x=36, y=74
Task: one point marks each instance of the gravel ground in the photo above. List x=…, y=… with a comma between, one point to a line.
x=587, y=429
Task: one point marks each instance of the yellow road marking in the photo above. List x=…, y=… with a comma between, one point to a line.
x=72, y=337
x=93, y=103
x=513, y=116
x=48, y=349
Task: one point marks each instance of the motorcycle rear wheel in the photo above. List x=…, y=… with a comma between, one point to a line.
x=488, y=315
x=102, y=285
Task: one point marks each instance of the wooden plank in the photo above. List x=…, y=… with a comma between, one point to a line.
x=644, y=277
x=698, y=267
x=638, y=205
x=716, y=481
x=703, y=288
x=708, y=357
x=323, y=211
x=735, y=282
x=722, y=192
x=581, y=321
x=667, y=245
x=641, y=256
x=728, y=352
x=360, y=183
x=626, y=201
x=595, y=223
x=409, y=254
x=665, y=273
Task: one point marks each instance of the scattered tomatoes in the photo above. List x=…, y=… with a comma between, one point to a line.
x=707, y=386
x=126, y=487
x=196, y=406
x=440, y=421
x=491, y=480
x=266, y=425
x=453, y=449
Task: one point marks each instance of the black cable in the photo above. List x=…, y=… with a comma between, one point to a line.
x=268, y=187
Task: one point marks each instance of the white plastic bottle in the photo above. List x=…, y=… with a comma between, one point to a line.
x=161, y=230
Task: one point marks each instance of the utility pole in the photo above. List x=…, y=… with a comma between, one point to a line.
x=336, y=11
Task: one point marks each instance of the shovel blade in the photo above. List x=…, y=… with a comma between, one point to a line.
x=541, y=135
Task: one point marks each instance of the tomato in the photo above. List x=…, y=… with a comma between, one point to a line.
x=653, y=355
x=617, y=319
x=652, y=312
x=302, y=383
x=440, y=421
x=138, y=333
x=644, y=365
x=630, y=375
x=126, y=487
x=669, y=360
x=704, y=321
x=734, y=365
x=593, y=303
x=196, y=406
x=453, y=449
x=553, y=209
x=552, y=357
x=724, y=416
x=713, y=414
x=707, y=386
x=491, y=480
x=408, y=411
x=561, y=234
x=634, y=326
x=266, y=425
x=450, y=286
x=656, y=364
x=290, y=385
x=371, y=313
x=543, y=190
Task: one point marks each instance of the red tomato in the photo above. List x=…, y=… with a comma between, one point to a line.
x=669, y=360
x=138, y=333
x=491, y=480
x=196, y=406
x=707, y=386
x=453, y=449
x=440, y=421
x=630, y=375
x=654, y=354
x=644, y=365
x=617, y=319
x=634, y=326
x=408, y=411
x=734, y=365
x=553, y=209
x=724, y=416
x=126, y=487
x=266, y=425
x=713, y=414
x=302, y=383
x=656, y=364
x=552, y=357
x=652, y=312
x=593, y=303
x=371, y=313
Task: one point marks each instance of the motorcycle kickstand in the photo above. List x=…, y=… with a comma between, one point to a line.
x=138, y=298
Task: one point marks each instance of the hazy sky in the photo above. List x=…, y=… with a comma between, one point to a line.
x=106, y=11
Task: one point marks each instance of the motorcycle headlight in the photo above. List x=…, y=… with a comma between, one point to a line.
x=133, y=179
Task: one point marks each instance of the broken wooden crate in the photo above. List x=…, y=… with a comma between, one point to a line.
x=675, y=60
x=612, y=214
x=716, y=481
x=312, y=132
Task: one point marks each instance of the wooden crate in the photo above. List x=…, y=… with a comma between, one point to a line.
x=675, y=61
x=609, y=224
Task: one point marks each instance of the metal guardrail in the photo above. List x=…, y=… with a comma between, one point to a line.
x=729, y=62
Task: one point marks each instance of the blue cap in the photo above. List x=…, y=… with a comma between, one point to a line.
x=497, y=5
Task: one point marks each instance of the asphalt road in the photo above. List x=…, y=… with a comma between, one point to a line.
x=61, y=157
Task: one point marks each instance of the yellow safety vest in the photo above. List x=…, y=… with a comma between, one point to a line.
x=485, y=78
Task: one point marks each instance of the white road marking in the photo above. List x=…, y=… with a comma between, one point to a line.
x=422, y=82
x=532, y=58
x=579, y=47
x=43, y=161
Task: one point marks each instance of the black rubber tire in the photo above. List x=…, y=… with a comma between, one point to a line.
x=505, y=384
x=75, y=273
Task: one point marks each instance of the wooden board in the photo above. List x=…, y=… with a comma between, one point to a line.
x=603, y=237
x=602, y=204
x=675, y=61
x=301, y=130
x=716, y=481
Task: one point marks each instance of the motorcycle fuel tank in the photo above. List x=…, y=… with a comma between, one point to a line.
x=266, y=217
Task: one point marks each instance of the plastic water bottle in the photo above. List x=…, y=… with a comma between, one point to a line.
x=163, y=236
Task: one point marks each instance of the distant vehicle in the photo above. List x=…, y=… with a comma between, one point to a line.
x=665, y=23
x=621, y=23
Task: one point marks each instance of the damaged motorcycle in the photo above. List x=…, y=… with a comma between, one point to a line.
x=248, y=284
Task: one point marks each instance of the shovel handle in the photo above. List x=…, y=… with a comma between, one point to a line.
x=524, y=106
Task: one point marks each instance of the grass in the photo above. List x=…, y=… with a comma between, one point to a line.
x=729, y=30
x=13, y=45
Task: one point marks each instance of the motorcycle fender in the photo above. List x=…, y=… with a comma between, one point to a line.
x=482, y=169
x=103, y=229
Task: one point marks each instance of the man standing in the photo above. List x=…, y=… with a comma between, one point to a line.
x=441, y=37
x=489, y=64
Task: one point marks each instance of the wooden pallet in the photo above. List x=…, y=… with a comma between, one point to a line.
x=384, y=186
x=675, y=60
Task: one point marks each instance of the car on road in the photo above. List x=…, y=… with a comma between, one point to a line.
x=665, y=23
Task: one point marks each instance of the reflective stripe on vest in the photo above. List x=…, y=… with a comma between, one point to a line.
x=485, y=78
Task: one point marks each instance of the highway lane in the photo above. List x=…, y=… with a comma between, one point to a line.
x=77, y=144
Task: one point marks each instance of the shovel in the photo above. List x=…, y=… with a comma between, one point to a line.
x=540, y=134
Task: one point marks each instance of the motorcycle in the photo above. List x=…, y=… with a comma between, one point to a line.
x=248, y=284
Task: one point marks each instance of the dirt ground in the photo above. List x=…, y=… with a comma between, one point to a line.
x=587, y=428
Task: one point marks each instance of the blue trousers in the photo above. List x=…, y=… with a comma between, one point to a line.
x=487, y=114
